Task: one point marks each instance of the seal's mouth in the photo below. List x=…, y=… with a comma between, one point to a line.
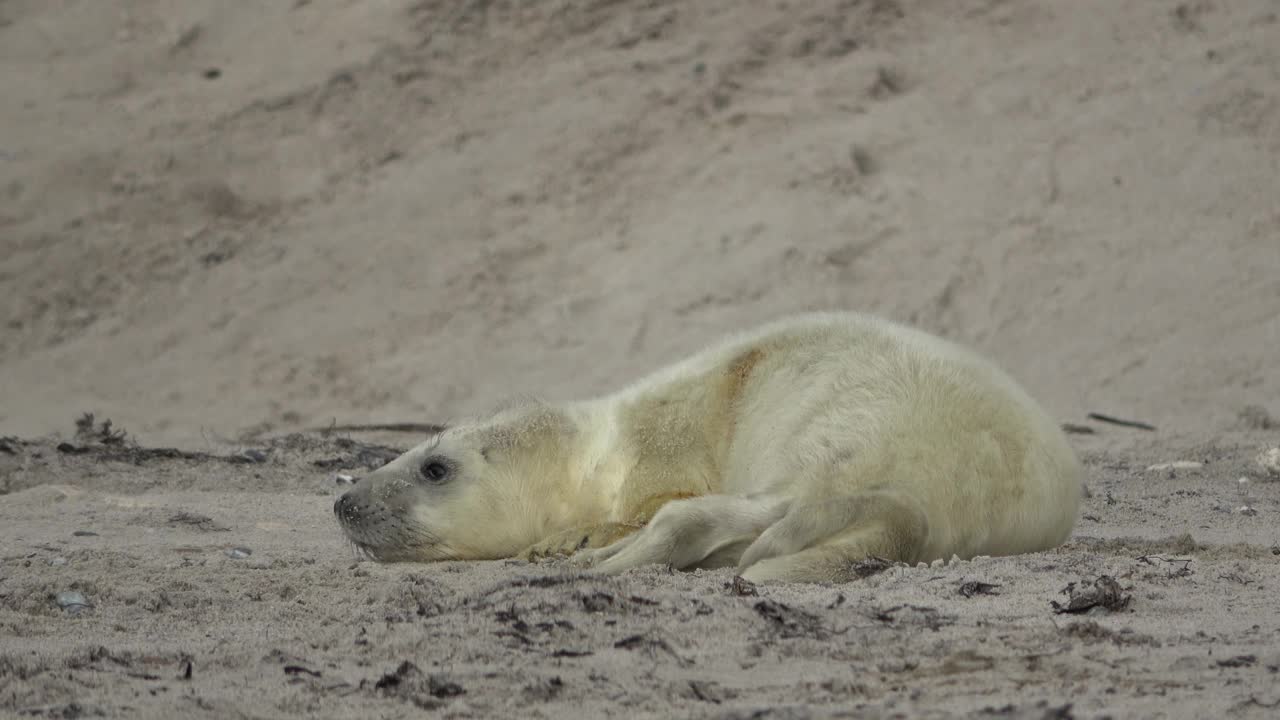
x=400, y=543
x=377, y=533
x=391, y=554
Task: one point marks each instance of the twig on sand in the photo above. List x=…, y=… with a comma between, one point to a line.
x=1117, y=421
x=404, y=427
x=1183, y=569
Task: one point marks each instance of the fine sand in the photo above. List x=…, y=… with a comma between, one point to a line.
x=227, y=226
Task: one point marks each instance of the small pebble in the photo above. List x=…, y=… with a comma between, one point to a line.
x=1175, y=465
x=72, y=601
x=55, y=562
x=253, y=456
x=239, y=553
x=85, y=533
x=344, y=479
x=1246, y=510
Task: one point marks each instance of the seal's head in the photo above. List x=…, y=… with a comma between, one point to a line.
x=477, y=491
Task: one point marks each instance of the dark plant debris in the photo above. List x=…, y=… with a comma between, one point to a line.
x=597, y=601
x=88, y=432
x=705, y=692
x=359, y=455
x=409, y=683
x=1239, y=661
x=1177, y=567
x=105, y=443
x=1104, y=592
x=790, y=622
x=644, y=642
x=1042, y=710
x=741, y=587
x=540, y=581
x=198, y=521
x=914, y=615
x=974, y=587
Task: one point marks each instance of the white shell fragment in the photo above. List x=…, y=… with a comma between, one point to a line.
x=1247, y=508
x=1269, y=461
x=72, y=601
x=1175, y=465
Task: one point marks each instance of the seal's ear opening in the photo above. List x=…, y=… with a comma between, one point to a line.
x=496, y=450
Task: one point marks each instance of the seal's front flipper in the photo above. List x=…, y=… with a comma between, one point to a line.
x=573, y=540
x=707, y=531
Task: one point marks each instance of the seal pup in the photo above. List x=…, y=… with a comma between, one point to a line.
x=790, y=452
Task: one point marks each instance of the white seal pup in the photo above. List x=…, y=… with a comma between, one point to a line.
x=790, y=452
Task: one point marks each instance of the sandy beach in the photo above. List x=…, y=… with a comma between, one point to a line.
x=228, y=227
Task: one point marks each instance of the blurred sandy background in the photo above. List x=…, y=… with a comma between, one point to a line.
x=217, y=215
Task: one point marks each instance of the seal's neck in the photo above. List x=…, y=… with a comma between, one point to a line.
x=600, y=463
x=664, y=439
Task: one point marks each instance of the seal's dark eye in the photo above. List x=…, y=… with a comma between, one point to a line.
x=433, y=470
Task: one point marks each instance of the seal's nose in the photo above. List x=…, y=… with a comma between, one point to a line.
x=342, y=504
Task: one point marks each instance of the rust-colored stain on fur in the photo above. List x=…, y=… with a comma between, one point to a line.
x=650, y=506
x=739, y=371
